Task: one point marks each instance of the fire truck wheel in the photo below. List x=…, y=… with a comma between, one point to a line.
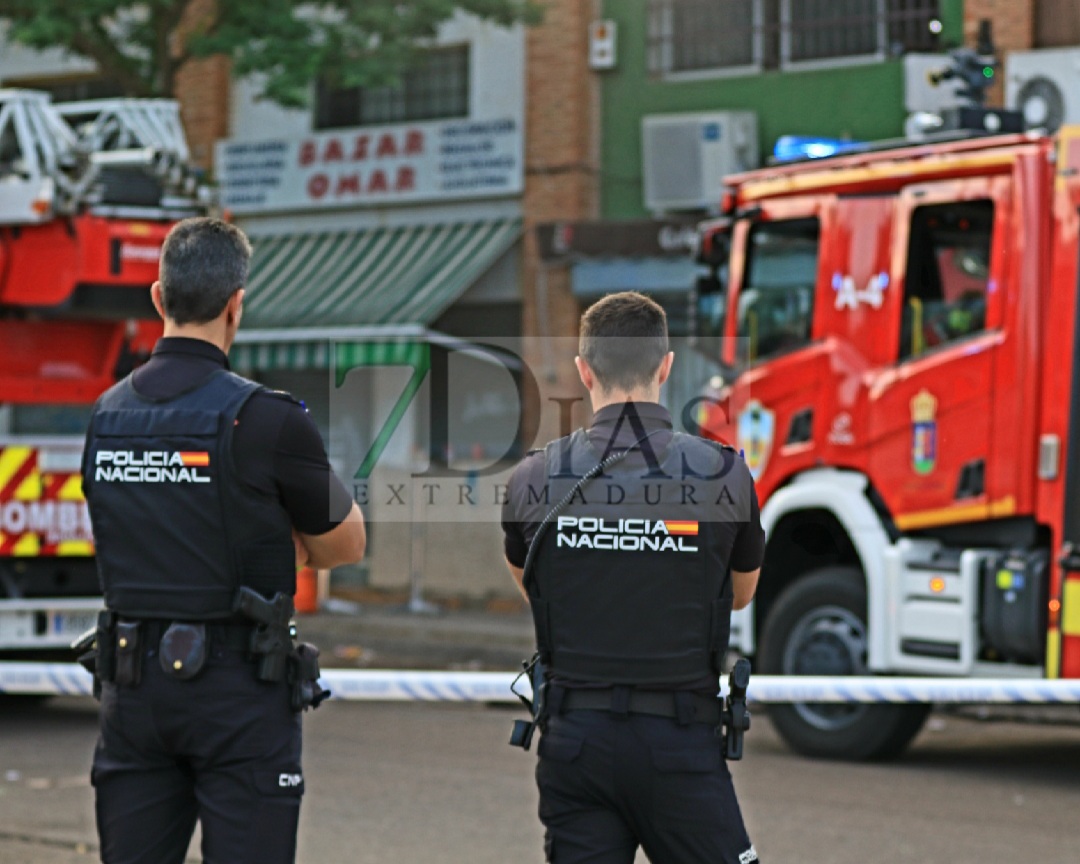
x=818, y=627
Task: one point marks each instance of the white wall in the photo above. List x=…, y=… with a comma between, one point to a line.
x=19, y=62
x=497, y=84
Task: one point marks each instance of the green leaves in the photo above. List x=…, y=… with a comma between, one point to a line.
x=288, y=44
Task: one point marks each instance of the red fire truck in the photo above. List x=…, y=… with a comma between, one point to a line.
x=901, y=370
x=87, y=194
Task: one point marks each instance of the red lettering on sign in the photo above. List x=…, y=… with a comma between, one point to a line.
x=406, y=179
x=377, y=183
x=414, y=142
x=333, y=151
x=360, y=148
x=387, y=146
x=307, y=152
x=348, y=184
x=317, y=185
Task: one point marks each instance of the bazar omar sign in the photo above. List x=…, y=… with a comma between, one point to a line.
x=373, y=165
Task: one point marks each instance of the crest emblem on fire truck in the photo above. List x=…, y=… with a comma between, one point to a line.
x=756, y=427
x=923, y=432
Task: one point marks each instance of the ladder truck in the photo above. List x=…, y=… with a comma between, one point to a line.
x=88, y=191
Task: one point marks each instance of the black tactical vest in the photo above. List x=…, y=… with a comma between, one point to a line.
x=176, y=530
x=629, y=584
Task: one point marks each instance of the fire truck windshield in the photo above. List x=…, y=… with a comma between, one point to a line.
x=776, y=301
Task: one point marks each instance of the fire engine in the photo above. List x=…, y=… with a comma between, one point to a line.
x=87, y=193
x=901, y=369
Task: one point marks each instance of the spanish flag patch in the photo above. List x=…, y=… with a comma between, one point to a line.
x=199, y=458
x=682, y=527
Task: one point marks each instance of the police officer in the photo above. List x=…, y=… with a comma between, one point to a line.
x=631, y=576
x=206, y=492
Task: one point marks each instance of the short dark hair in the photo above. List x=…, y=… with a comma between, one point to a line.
x=203, y=263
x=624, y=339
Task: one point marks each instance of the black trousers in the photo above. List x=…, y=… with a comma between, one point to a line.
x=609, y=783
x=222, y=748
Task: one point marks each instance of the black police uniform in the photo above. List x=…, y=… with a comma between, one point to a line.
x=631, y=597
x=194, y=477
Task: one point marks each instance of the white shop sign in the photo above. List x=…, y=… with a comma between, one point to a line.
x=373, y=165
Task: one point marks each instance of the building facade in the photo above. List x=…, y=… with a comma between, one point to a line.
x=514, y=176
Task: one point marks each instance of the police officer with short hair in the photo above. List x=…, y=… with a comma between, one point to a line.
x=206, y=492
x=631, y=576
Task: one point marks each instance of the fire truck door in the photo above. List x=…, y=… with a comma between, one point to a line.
x=776, y=274
x=929, y=412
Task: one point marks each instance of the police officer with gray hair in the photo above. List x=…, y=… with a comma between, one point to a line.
x=206, y=492
x=632, y=544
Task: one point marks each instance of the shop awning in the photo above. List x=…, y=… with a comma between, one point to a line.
x=302, y=349
x=404, y=275
x=369, y=279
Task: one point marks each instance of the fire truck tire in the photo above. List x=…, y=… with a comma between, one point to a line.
x=818, y=627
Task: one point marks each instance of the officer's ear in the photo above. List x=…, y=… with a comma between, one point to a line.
x=665, y=367
x=234, y=309
x=588, y=377
x=158, y=299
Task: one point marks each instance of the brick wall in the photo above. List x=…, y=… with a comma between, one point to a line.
x=202, y=89
x=1014, y=30
x=561, y=165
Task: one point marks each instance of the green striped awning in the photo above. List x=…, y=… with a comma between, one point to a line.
x=304, y=354
x=403, y=275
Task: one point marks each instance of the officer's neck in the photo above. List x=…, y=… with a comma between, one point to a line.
x=603, y=398
x=214, y=332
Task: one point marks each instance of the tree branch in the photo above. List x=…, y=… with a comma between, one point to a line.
x=94, y=44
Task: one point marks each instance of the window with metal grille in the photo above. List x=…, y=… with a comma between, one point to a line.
x=695, y=35
x=909, y=25
x=822, y=29
x=436, y=88
x=718, y=35
x=830, y=29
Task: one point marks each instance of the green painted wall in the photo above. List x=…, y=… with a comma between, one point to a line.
x=862, y=102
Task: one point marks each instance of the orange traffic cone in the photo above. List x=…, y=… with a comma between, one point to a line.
x=307, y=590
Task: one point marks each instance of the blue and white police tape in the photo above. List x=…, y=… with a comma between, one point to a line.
x=388, y=685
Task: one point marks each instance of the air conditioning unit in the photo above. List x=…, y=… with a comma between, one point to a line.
x=1045, y=86
x=685, y=157
x=919, y=93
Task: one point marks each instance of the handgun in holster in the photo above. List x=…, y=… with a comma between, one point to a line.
x=271, y=638
x=735, y=721
x=272, y=645
x=523, y=730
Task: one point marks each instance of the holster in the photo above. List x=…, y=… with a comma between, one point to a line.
x=128, y=653
x=522, y=733
x=270, y=646
x=305, y=691
x=95, y=650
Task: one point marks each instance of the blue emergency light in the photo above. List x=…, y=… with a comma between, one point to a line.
x=791, y=147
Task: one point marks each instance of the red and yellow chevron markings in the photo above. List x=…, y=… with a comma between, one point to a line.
x=40, y=513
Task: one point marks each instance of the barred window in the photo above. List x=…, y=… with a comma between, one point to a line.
x=828, y=29
x=820, y=29
x=909, y=25
x=703, y=35
x=436, y=88
x=693, y=35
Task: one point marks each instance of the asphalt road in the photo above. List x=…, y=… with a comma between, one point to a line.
x=433, y=783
